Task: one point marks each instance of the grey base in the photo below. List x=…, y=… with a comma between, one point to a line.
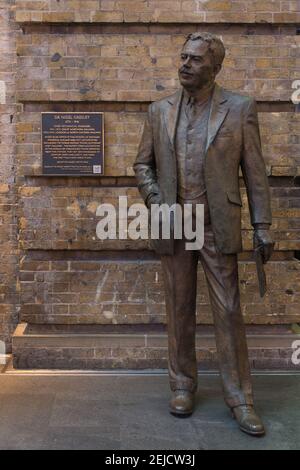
x=39, y=347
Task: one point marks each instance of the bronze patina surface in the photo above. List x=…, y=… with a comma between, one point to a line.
x=193, y=144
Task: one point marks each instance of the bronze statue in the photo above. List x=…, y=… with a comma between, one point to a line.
x=193, y=144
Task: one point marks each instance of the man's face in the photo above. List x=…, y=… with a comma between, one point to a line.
x=197, y=67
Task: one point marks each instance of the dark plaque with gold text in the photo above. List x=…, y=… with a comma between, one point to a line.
x=73, y=144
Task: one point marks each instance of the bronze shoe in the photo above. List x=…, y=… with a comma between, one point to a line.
x=248, y=420
x=182, y=403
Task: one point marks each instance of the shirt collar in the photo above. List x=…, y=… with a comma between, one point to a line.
x=190, y=100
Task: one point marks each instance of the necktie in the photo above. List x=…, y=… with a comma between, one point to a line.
x=192, y=109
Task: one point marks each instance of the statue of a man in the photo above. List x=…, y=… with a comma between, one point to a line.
x=193, y=144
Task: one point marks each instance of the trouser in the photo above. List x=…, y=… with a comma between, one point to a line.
x=180, y=278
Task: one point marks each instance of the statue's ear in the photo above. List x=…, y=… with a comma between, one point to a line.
x=217, y=68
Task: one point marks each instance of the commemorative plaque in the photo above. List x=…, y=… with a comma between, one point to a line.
x=73, y=144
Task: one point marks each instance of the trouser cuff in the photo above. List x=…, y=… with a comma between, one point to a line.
x=233, y=402
x=183, y=385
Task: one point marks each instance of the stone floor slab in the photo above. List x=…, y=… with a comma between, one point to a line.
x=130, y=412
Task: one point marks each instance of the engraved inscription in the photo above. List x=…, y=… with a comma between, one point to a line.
x=72, y=143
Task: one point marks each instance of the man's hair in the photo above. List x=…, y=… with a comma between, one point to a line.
x=215, y=45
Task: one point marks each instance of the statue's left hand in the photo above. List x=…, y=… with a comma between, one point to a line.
x=263, y=239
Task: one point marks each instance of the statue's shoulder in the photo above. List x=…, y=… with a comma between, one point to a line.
x=160, y=105
x=237, y=99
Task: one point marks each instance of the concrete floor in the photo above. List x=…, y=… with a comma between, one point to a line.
x=131, y=412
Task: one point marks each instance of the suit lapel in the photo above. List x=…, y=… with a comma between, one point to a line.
x=171, y=115
x=218, y=112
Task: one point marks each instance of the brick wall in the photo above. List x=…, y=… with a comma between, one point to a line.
x=151, y=11
x=117, y=56
x=63, y=218
x=8, y=226
x=137, y=67
x=108, y=292
x=123, y=128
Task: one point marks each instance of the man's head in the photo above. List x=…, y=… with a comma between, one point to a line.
x=201, y=60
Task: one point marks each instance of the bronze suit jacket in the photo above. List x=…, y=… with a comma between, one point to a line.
x=233, y=142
